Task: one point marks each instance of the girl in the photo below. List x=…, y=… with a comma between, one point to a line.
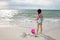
x=39, y=21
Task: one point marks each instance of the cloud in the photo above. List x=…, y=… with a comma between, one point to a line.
x=3, y=5
x=32, y=4
x=44, y=4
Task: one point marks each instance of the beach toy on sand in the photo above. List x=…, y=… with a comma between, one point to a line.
x=33, y=31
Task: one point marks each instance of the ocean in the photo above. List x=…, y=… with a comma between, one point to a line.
x=24, y=18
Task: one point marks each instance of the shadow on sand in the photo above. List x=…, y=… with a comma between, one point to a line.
x=47, y=37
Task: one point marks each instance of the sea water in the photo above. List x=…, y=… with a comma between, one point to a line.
x=25, y=18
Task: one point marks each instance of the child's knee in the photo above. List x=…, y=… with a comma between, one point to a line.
x=40, y=24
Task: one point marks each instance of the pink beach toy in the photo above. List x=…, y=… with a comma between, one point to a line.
x=33, y=31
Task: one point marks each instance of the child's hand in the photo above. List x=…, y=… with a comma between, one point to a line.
x=34, y=19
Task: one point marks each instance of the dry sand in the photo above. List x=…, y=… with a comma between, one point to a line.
x=15, y=33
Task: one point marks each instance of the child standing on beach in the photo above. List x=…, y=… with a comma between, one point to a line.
x=39, y=21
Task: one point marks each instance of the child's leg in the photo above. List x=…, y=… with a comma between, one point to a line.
x=37, y=28
x=40, y=28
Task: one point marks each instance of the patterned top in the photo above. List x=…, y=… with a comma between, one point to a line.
x=40, y=15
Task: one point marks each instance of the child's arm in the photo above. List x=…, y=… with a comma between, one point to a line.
x=42, y=18
x=35, y=18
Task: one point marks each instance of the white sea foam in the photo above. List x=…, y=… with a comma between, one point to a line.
x=7, y=13
x=48, y=23
x=44, y=20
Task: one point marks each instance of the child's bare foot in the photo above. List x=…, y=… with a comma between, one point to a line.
x=36, y=35
x=40, y=32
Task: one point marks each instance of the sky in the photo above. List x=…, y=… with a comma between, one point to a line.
x=30, y=4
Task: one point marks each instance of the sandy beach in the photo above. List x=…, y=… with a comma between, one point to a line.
x=15, y=33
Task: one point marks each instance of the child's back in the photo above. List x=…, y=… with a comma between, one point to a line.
x=39, y=20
